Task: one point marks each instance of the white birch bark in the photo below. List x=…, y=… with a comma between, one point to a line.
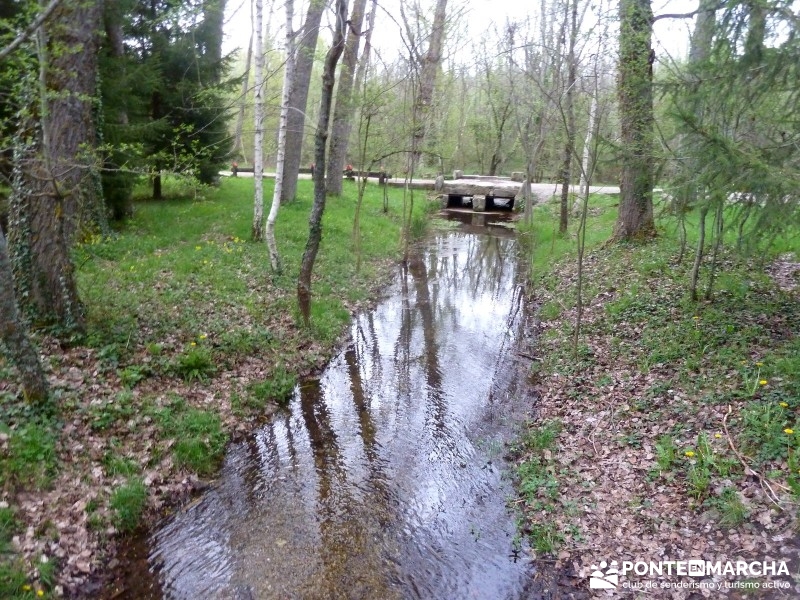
x=258, y=150
x=288, y=77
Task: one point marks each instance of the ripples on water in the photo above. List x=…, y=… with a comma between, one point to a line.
x=380, y=480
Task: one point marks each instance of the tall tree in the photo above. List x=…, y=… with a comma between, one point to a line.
x=258, y=151
x=429, y=68
x=14, y=336
x=288, y=76
x=56, y=183
x=320, y=142
x=635, y=89
x=569, y=115
x=298, y=98
x=344, y=109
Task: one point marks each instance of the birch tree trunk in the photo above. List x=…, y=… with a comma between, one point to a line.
x=320, y=140
x=288, y=76
x=344, y=109
x=295, y=124
x=14, y=336
x=258, y=144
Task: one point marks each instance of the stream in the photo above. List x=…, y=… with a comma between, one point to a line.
x=385, y=476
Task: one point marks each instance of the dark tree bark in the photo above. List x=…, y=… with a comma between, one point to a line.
x=14, y=335
x=295, y=123
x=320, y=140
x=56, y=183
x=569, y=109
x=68, y=122
x=344, y=109
x=635, y=219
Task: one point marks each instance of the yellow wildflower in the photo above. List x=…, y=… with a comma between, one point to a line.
x=194, y=343
x=26, y=588
x=696, y=318
x=784, y=404
x=717, y=435
x=203, y=336
x=689, y=453
x=788, y=431
x=762, y=382
x=759, y=364
x=39, y=593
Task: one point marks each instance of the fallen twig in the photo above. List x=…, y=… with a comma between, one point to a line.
x=765, y=485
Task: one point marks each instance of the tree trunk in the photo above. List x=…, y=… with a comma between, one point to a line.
x=56, y=181
x=427, y=82
x=288, y=76
x=569, y=109
x=295, y=124
x=14, y=336
x=258, y=144
x=344, y=109
x=635, y=219
x=587, y=143
x=69, y=77
x=320, y=140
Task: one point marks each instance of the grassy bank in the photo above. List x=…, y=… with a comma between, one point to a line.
x=672, y=429
x=191, y=338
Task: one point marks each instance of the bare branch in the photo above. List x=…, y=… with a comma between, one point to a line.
x=689, y=15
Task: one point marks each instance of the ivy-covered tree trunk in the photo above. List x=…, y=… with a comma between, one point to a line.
x=635, y=88
x=344, y=109
x=56, y=184
x=298, y=98
x=14, y=336
x=320, y=140
x=69, y=76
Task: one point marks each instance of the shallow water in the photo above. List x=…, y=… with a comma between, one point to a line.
x=384, y=478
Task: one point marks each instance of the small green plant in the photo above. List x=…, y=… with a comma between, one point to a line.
x=195, y=363
x=200, y=441
x=665, y=452
x=278, y=388
x=8, y=525
x=699, y=480
x=30, y=458
x=128, y=502
x=104, y=414
x=545, y=538
x=732, y=510
x=133, y=374
x=541, y=437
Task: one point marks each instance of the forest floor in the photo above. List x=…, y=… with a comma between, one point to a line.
x=191, y=341
x=671, y=431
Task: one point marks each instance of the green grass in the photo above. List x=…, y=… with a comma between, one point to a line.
x=180, y=269
x=30, y=457
x=128, y=503
x=278, y=388
x=200, y=441
x=546, y=246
